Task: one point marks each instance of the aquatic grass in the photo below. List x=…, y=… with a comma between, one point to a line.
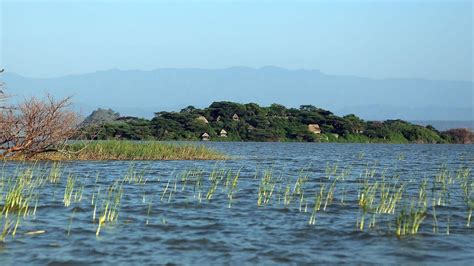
x=150, y=203
x=378, y=196
x=233, y=187
x=127, y=150
x=165, y=190
x=266, y=188
x=375, y=197
x=317, y=205
x=19, y=191
x=409, y=219
x=466, y=183
x=366, y=200
x=111, y=204
x=19, y=194
x=213, y=187
x=69, y=190
x=134, y=176
x=337, y=178
x=55, y=173
x=6, y=229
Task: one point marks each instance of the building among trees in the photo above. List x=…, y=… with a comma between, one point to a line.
x=202, y=119
x=223, y=134
x=205, y=136
x=314, y=128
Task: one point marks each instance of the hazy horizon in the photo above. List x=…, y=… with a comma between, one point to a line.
x=92, y=71
x=385, y=39
x=141, y=93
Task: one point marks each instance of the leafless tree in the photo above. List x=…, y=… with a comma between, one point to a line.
x=35, y=126
x=461, y=135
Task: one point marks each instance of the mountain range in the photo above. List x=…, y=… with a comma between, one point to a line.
x=140, y=93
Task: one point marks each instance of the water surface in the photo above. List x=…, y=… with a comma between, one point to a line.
x=183, y=230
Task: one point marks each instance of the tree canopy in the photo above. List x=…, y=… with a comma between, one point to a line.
x=251, y=122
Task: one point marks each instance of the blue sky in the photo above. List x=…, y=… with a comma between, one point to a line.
x=378, y=39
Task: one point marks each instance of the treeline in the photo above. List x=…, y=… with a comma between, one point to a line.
x=229, y=121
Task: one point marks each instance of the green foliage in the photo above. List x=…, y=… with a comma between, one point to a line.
x=275, y=123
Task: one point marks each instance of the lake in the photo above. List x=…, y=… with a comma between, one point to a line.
x=257, y=208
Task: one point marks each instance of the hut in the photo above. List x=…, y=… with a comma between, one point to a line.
x=218, y=118
x=223, y=134
x=314, y=128
x=202, y=119
x=235, y=117
x=205, y=136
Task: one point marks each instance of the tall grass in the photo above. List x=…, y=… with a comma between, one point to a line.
x=128, y=150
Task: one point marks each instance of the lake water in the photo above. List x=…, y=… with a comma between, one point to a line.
x=182, y=228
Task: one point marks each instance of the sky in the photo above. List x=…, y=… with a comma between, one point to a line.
x=376, y=39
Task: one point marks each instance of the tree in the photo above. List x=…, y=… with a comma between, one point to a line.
x=460, y=135
x=277, y=110
x=273, y=123
x=35, y=126
x=308, y=108
x=188, y=109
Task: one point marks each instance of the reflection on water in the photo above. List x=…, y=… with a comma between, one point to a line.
x=187, y=228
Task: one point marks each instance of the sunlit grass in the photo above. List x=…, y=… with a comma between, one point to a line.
x=127, y=150
x=376, y=199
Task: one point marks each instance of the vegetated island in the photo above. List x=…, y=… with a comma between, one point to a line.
x=230, y=121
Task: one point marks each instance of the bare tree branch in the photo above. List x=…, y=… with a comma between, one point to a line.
x=35, y=126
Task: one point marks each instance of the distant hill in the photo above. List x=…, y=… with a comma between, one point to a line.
x=139, y=93
x=100, y=116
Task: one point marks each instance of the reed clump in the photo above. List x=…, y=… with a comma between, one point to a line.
x=126, y=150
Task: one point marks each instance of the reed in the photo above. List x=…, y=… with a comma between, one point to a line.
x=317, y=205
x=376, y=197
x=111, y=204
x=150, y=203
x=466, y=183
x=266, y=188
x=126, y=150
x=409, y=220
x=233, y=188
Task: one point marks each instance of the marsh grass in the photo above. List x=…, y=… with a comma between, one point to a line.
x=466, y=183
x=126, y=150
x=374, y=197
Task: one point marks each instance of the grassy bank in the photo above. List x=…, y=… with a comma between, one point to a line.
x=128, y=150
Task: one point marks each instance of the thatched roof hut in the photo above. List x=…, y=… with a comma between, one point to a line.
x=223, y=133
x=205, y=136
x=235, y=117
x=202, y=119
x=314, y=128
